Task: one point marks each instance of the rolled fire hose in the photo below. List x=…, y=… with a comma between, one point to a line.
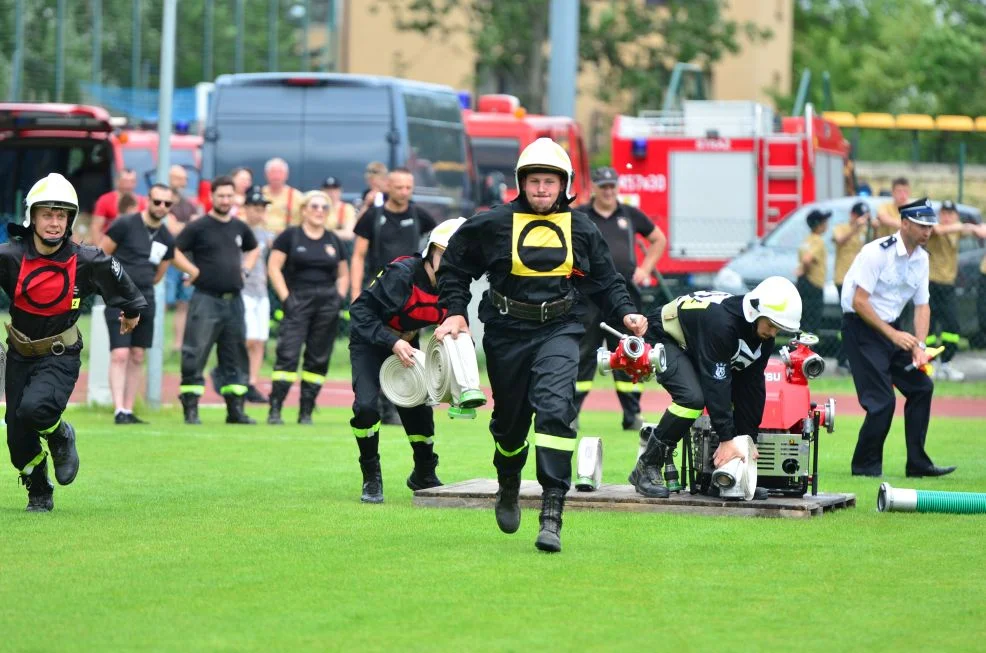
x=891, y=499
x=737, y=479
x=452, y=372
x=406, y=387
x=589, y=467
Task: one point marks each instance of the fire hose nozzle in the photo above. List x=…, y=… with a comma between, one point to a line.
x=602, y=361
x=658, y=358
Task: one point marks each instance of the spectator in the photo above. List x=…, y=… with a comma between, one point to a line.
x=849, y=239
x=888, y=215
x=812, y=270
x=256, y=302
x=126, y=205
x=285, y=201
x=342, y=214
x=943, y=263
x=106, y=208
x=242, y=182
x=177, y=292
x=376, y=186
x=183, y=210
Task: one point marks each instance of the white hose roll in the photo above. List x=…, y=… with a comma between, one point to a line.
x=451, y=368
x=462, y=354
x=406, y=387
x=438, y=372
x=737, y=479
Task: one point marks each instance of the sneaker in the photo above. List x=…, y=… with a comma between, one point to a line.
x=121, y=417
x=136, y=420
x=948, y=373
x=254, y=396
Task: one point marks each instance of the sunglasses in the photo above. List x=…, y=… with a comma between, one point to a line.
x=319, y=207
x=165, y=203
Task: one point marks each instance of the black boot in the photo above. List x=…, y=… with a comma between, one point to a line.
x=309, y=392
x=552, y=505
x=425, y=461
x=40, y=491
x=234, y=410
x=190, y=405
x=64, y=457
x=507, y=503
x=278, y=392
x=372, y=480
x=646, y=476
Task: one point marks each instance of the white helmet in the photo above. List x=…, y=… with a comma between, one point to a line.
x=441, y=234
x=56, y=191
x=776, y=299
x=547, y=154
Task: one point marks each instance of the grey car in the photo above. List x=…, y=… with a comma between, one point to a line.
x=777, y=254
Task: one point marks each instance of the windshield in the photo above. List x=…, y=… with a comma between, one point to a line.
x=790, y=233
x=142, y=161
x=497, y=155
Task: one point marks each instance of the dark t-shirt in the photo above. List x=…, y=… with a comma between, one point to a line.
x=140, y=249
x=310, y=263
x=216, y=248
x=183, y=211
x=619, y=231
x=399, y=233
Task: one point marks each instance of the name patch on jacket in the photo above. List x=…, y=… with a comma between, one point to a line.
x=45, y=287
x=542, y=245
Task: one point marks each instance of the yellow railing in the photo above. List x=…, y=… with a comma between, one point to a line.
x=906, y=121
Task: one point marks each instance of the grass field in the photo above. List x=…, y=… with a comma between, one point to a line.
x=253, y=538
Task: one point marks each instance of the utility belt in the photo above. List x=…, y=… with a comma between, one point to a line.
x=225, y=296
x=55, y=345
x=670, y=323
x=543, y=312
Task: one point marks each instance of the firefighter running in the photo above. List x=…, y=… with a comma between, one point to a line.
x=540, y=257
x=47, y=276
x=717, y=348
x=385, y=319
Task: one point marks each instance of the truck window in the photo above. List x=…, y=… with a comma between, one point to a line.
x=497, y=155
x=436, y=138
x=142, y=161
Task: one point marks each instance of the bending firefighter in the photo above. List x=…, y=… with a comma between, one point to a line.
x=717, y=348
x=386, y=319
x=540, y=257
x=47, y=276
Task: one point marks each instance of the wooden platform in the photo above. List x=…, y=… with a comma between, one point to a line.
x=480, y=493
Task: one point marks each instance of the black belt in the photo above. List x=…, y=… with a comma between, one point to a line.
x=543, y=312
x=219, y=295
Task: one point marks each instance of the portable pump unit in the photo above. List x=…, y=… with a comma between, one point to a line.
x=788, y=437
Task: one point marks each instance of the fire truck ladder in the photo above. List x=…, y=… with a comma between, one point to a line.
x=778, y=172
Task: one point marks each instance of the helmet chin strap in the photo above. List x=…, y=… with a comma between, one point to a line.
x=52, y=242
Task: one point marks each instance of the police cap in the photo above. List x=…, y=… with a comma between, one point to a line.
x=816, y=217
x=255, y=197
x=919, y=212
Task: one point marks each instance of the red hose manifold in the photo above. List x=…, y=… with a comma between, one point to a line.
x=639, y=360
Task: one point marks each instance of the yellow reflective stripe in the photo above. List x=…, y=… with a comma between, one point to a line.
x=686, y=413
x=427, y=439
x=233, y=389
x=932, y=339
x=554, y=442
x=583, y=386
x=51, y=429
x=950, y=337
x=281, y=375
x=37, y=460
x=311, y=377
x=626, y=386
x=510, y=454
x=193, y=389
x=366, y=433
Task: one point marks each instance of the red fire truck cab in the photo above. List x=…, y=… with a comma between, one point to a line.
x=499, y=129
x=717, y=175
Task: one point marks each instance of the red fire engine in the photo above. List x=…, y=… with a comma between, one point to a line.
x=719, y=174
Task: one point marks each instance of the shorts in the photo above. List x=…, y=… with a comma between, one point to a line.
x=142, y=336
x=256, y=311
x=174, y=288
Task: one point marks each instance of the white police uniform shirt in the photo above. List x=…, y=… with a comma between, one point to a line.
x=883, y=269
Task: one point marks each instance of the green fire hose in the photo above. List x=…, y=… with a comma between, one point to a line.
x=892, y=499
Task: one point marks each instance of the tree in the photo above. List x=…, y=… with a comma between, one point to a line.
x=634, y=45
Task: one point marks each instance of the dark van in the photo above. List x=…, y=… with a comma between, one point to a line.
x=335, y=124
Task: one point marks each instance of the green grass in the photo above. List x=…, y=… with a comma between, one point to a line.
x=253, y=538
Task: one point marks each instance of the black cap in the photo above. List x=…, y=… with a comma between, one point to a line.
x=816, y=217
x=949, y=205
x=331, y=182
x=604, y=175
x=255, y=197
x=860, y=208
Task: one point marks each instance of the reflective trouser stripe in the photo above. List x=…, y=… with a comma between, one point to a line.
x=311, y=377
x=554, y=442
x=583, y=386
x=952, y=338
x=51, y=429
x=34, y=462
x=681, y=411
x=233, y=389
x=280, y=375
x=427, y=439
x=510, y=454
x=931, y=339
x=627, y=386
x=366, y=433
x=194, y=389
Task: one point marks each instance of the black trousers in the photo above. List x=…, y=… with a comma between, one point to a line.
x=687, y=399
x=216, y=321
x=38, y=390
x=877, y=366
x=311, y=318
x=944, y=319
x=626, y=390
x=532, y=373
x=812, y=305
x=840, y=356
x=366, y=360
